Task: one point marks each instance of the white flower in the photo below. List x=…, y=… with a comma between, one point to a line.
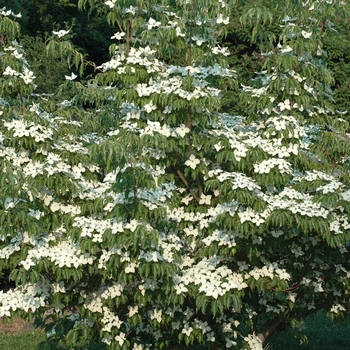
x=27, y=76
x=308, y=88
x=131, y=9
x=35, y=213
x=152, y=23
x=155, y=315
x=149, y=107
x=336, y=308
x=132, y=225
x=182, y=130
x=27, y=263
x=286, y=49
x=133, y=310
x=151, y=256
x=61, y=33
x=167, y=109
x=218, y=146
x=284, y=105
x=329, y=188
x=10, y=203
x=254, y=342
x=220, y=50
x=118, y=35
x=199, y=41
x=71, y=77
x=220, y=19
x=130, y=268
x=110, y=3
x=205, y=199
x=187, y=330
x=230, y=343
x=10, y=71
x=192, y=162
x=180, y=288
x=283, y=274
x=318, y=288
x=346, y=195
x=179, y=32
x=5, y=13
x=55, y=206
x=305, y=34
x=58, y=287
x=120, y=338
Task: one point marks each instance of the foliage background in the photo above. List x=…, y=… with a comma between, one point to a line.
x=92, y=33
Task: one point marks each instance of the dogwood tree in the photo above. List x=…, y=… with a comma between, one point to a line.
x=151, y=220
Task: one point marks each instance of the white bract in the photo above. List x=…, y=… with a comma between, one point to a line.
x=110, y=3
x=306, y=34
x=70, y=77
x=118, y=36
x=192, y=162
x=61, y=33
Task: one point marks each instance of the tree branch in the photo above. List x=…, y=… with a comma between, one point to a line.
x=304, y=269
x=182, y=177
x=271, y=326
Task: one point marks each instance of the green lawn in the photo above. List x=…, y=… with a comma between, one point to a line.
x=322, y=334
x=29, y=340
x=23, y=341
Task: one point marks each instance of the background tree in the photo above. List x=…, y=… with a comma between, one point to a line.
x=337, y=47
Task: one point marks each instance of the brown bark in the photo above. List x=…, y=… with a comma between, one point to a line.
x=271, y=326
x=183, y=179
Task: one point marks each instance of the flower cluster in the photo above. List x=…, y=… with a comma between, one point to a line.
x=213, y=280
x=27, y=75
x=27, y=299
x=267, y=165
x=269, y=271
x=62, y=254
x=22, y=128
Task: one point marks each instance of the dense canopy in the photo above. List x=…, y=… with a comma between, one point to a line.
x=140, y=209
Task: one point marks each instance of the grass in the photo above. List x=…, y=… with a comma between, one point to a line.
x=22, y=341
x=322, y=333
x=20, y=335
x=29, y=340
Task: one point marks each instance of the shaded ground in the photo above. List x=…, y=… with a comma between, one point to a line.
x=321, y=332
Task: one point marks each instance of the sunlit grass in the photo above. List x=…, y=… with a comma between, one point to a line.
x=22, y=341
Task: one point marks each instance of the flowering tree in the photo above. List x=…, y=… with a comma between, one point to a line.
x=151, y=220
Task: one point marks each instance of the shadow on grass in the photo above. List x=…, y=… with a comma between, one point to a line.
x=321, y=332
